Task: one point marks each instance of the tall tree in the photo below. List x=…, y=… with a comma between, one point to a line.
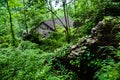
x=11, y=25
x=66, y=20
x=52, y=15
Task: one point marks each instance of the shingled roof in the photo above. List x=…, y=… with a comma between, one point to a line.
x=47, y=26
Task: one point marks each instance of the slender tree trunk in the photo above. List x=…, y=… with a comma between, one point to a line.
x=26, y=26
x=11, y=25
x=52, y=16
x=57, y=17
x=66, y=21
x=67, y=17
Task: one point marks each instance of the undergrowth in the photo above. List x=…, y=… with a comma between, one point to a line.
x=28, y=62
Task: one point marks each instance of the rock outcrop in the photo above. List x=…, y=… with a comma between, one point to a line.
x=103, y=34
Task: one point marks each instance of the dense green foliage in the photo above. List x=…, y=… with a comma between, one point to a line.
x=29, y=62
x=46, y=58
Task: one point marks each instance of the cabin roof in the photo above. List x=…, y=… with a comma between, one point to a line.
x=49, y=23
x=45, y=27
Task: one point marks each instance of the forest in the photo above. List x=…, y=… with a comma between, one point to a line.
x=59, y=40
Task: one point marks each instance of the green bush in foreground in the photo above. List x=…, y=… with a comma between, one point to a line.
x=26, y=65
x=28, y=62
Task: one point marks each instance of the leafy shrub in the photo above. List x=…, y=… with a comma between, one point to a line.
x=110, y=67
x=109, y=71
x=27, y=62
x=27, y=45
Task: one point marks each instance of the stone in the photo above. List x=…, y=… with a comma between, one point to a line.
x=100, y=36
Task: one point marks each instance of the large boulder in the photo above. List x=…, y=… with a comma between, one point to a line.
x=103, y=34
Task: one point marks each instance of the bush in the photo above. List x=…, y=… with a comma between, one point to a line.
x=23, y=65
x=109, y=72
x=28, y=62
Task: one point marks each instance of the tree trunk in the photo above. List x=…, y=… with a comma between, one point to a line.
x=66, y=21
x=11, y=25
x=52, y=16
x=57, y=17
